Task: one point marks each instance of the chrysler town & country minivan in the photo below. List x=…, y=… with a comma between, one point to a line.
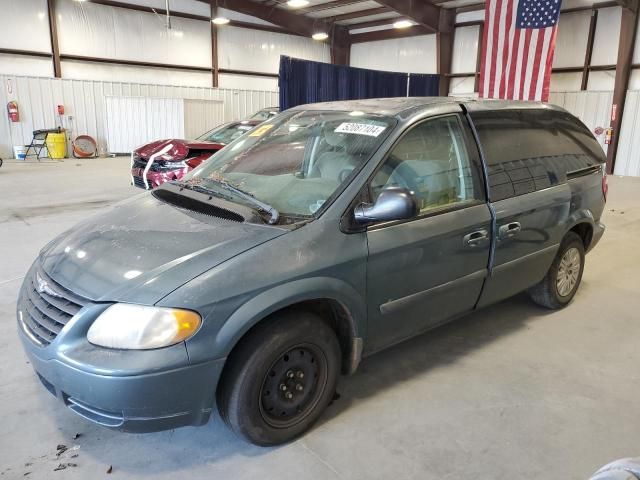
x=324, y=235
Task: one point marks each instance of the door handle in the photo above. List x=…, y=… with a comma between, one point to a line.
x=474, y=239
x=509, y=230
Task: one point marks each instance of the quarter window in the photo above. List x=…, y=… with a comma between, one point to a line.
x=432, y=161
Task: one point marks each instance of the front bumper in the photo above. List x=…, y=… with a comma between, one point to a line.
x=155, y=178
x=129, y=390
x=140, y=403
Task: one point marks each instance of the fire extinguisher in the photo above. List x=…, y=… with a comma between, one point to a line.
x=608, y=135
x=13, y=112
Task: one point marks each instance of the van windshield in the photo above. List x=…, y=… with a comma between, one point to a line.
x=296, y=161
x=226, y=133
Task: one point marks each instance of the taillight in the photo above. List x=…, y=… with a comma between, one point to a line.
x=605, y=185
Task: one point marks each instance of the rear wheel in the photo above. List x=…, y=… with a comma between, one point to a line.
x=280, y=378
x=561, y=282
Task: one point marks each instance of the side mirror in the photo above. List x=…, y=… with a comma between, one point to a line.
x=394, y=203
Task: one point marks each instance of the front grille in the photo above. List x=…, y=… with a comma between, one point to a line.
x=139, y=182
x=139, y=162
x=46, y=307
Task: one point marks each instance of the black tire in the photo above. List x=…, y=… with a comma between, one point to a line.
x=273, y=355
x=546, y=293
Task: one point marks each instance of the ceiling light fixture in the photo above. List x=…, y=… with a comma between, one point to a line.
x=220, y=20
x=402, y=24
x=320, y=36
x=297, y=3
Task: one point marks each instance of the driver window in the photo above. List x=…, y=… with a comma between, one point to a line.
x=431, y=160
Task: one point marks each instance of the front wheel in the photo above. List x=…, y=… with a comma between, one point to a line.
x=561, y=282
x=280, y=378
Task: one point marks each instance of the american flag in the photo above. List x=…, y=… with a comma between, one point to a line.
x=517, y=48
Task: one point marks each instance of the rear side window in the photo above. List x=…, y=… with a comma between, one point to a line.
x=528, y=150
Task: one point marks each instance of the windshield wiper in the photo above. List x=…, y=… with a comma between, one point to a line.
x=205, y=190
x=265, y=207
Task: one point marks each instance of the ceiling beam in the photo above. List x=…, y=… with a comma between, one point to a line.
x=289, y=21
x=375, y=23
x=389, y=34
x=359, y=14
x=420, y=11
x=328, y=6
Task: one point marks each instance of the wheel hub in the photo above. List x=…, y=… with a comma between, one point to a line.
x=568, y=272
x=290, y=387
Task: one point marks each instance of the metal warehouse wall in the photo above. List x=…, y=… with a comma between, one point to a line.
x=84, y=100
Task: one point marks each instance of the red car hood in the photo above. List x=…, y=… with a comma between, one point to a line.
x=178, y=149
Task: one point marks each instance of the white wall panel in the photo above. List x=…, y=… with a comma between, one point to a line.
x=601, y=81
x=571, y=44
x=84, y=100
x=94, y=30
x=245, y=82
x=200, y=116
x=470, y=16
x=259, y=51
x=462, y=86
x=184, y=6
x=465, y=49
x=25, y=25
x=412, y=54
x=565, y=82
x=628, y=155
x=634, y=80
x=23, y=65
x=593, y=108
x=605, y=41
x=240, y=17
x=134, y=121
x=81, y=70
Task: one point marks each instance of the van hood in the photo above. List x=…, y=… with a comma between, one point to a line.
x=142, y=249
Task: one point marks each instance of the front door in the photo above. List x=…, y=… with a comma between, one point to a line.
x=426, y=270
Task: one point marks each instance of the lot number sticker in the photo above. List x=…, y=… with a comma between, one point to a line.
x=360, y=129
x=258, y=132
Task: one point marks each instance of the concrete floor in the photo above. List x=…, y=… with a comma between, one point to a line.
x=510, y=392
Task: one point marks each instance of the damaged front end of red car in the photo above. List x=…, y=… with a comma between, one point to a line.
x=162, y=161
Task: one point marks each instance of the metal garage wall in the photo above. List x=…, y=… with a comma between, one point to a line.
x=628, y=157
x=593, y=108
x=84, y=101
x=134, y=121
x=200, y=116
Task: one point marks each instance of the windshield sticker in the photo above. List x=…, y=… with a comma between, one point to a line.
x=244, y=127
x=258, y=132
x=360, y=129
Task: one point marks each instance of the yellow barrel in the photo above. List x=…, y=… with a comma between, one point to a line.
x=57, y=145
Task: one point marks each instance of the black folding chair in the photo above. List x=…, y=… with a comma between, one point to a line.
x=39, y=142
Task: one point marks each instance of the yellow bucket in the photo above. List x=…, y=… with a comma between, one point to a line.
x=57, y=145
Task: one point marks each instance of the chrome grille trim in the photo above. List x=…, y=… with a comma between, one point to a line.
x=43, y=316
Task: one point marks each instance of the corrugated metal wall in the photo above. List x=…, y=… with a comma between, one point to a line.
x=628, y=158
x=84, y=101
x=593, y=108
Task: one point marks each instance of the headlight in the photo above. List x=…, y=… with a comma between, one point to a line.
x=138, y=327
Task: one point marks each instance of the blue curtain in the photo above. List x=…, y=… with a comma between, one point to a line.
x=304, y=81
x=423, y=85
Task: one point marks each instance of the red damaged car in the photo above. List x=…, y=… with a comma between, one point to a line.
x=163, y=160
